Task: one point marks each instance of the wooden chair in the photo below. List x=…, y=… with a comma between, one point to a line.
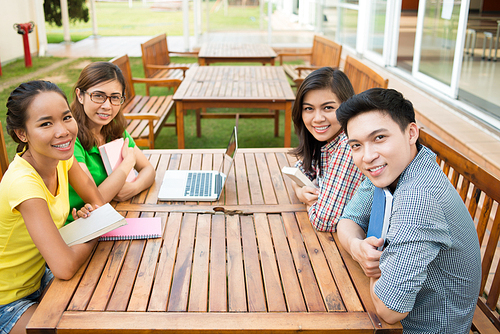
x=156, y=61
x=362, y=77
x=4, y=159
x=324, y=52
x=480, y=191
x=146, y=114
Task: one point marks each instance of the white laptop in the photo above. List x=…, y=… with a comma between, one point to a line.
x=199, y=185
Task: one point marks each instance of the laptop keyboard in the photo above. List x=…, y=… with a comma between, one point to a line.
x=198, y=184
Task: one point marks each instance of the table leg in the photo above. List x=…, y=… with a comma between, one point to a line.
x=276, y=123
x=201, y=61
x=288, y=124
x=496, y=40
x=179, y=114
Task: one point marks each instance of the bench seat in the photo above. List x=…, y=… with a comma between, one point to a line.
x=480, y=191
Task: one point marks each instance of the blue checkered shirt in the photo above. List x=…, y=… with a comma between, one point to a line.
x=431, y=266
x=337, y=177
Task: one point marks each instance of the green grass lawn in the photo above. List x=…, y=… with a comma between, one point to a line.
x=215, y=132
x=117, y=19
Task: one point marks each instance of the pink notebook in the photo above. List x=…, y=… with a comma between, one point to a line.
x=136, y=228
x=111, y=154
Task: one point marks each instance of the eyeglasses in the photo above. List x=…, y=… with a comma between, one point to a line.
x=101, y=98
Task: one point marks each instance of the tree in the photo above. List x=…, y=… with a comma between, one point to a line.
x=77, y=9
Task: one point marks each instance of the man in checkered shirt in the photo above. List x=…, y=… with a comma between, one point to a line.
x=428, y=274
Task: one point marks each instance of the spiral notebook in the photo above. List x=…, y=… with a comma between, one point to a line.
x=136, y=228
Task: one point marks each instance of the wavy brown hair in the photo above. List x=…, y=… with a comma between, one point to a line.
x=309, y=148
x=94, y=74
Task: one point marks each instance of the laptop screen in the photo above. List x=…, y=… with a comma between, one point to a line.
x=228, y=158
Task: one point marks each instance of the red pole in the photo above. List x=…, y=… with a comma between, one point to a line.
x=24, y=29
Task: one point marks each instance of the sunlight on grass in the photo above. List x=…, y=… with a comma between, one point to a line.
x=117, y=19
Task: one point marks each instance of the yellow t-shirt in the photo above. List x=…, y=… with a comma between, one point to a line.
x=21, y=264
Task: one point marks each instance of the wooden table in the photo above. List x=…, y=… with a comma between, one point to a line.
x=233, y=52
x=263, y=268
x=235, y=87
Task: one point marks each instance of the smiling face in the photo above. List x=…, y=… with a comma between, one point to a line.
x=318, y=114
x=379, y=148
x=100, y=114
x=50, y=129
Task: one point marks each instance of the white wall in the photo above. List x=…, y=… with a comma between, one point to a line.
x=11, y=43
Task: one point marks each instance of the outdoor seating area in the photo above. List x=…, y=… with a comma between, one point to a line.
x=250, y=261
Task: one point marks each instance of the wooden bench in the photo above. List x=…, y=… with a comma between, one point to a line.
x=4, y=158
x=480, y=191
x=156, y=61
x=324, y=52
x=146, y=114
x=362, y=77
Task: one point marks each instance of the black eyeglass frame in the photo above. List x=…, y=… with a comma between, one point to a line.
x=122, y=98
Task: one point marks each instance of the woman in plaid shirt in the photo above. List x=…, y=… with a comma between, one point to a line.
x=323, y=153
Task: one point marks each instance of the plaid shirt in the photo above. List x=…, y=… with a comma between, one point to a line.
x=431, y=266
x=338, y=178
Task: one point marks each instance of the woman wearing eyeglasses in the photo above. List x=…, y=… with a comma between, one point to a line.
x=98, y=96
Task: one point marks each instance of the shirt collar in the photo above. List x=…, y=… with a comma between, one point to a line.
x=423, y=157
x=335, y=142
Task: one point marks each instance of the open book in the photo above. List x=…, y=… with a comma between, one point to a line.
x=380, y=214
x=296, y=175
x=111, y=154
x=100, y=221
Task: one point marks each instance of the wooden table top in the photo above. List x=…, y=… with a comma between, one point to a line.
x=262, y=268
x=232, y=50
x=235, y=83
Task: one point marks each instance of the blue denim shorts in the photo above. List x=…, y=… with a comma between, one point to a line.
x=10, y=313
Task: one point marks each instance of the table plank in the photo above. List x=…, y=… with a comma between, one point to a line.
x=265, y=179
x=199, y=282
x=179, y=293
x=277, y=179
x=185, y=322
x=270, y=273
x=241, y=179
x=218, y=291
x=109, y=276
x=329, y=290
x=253, y=180
x=144, y=281
x=236, y=278
x=291, y=285
x=253, y=274
x=163, y=279
x=312, y=295
x=89, y=280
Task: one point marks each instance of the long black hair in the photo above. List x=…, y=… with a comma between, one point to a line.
x=309, y=148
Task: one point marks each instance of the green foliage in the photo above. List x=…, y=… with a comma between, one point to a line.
x=77, y=9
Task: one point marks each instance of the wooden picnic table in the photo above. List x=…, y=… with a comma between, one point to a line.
x=262, y=268
x=264, y=87
x=236, y=53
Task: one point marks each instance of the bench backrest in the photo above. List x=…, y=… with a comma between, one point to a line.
x=480, y=191
x=123, y=63
x=4, y=159
x=325, y=52
x=362, y=77
x=154, y=52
